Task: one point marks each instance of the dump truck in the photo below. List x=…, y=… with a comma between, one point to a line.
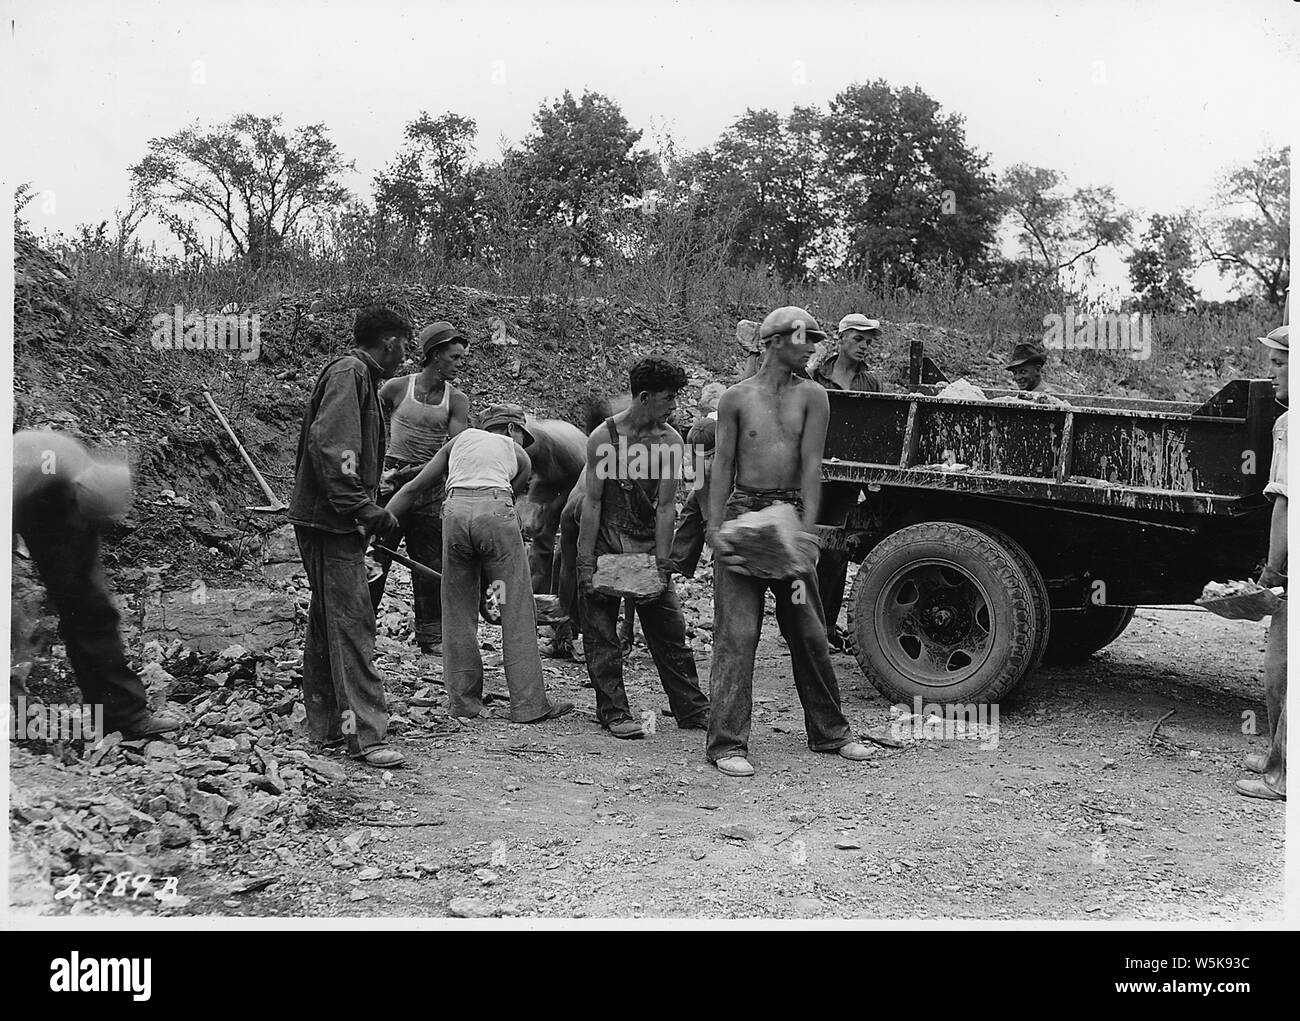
x=994, y=535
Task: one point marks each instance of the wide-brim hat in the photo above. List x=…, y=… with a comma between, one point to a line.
x=1278, y=339
x=435, y=335
x=1024, y=354
x=507, y=414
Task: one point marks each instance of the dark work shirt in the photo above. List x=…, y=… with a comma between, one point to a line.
x=862, y=379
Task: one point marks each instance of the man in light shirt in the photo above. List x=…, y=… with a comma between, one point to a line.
x=1270, y=785
x=485, y=469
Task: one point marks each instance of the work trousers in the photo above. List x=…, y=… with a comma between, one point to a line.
x=64, y=545
x=1275, y=700
x=480, y=536
x=343, y=692
x=664, y=628
x=422, y=530
x=737, y=621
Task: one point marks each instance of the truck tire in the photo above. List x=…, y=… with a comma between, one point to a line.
x=944, y=612
x=1043, y=615
x=1077, y=634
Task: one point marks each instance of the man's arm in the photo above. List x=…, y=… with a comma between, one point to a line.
x=389, y=395
x=724, y=461
x=523, y=470
x=1275, y=570
x=591, y=510
x=459, y=418
x=812, y=444
x=666, y=502
x=429, y=476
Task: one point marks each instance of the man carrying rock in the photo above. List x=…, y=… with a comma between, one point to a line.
x=1270, y=785
x=484, y=470
x=423, y=411
x=62, y=495
x=771, y=431
x=334, y=511
x=844, y=370
x=633, y=467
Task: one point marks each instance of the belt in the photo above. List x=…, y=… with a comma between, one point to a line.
x=477, y=490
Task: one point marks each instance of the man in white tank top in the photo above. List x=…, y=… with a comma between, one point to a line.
x=484, y=469
x=423, y=411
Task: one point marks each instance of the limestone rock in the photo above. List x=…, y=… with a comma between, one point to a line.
x=210, y=620
x=768, y=540
x=627, y=574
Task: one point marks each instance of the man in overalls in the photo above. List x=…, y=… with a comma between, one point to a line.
x=633, y=467
x=423, y=411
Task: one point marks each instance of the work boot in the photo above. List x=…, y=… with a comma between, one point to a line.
x=1257, y=762
x=855, y=751
x=384, y=758
x=626, y=729
x=557, y=710
x=1253, y=788
x=151, y=726
x=734, y=765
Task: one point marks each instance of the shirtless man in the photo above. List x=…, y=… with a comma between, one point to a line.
x=771, y=431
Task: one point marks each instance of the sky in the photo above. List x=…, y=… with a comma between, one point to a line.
x=1155, y=99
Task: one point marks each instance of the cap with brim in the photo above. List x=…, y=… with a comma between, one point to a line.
x=507, y=414
x=436, y=334
x=1025, y=354
x=1279, y=339
x=790, y=319
x=857, y=321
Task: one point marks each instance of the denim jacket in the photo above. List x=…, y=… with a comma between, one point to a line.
x=340, y=447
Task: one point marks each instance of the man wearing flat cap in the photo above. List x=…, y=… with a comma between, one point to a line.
x=771, y=433
x=844, y=370
x=1270, y=765
x=423, y=411
x=484, y=469
x=1026, y=368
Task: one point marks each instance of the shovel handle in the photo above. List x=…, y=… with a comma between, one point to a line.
x=276, y=505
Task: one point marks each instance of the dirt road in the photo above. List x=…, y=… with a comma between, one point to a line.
x=1081, y=811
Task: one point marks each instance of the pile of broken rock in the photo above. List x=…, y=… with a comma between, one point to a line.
x=240, y=771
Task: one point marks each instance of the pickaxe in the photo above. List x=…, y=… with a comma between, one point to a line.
x=275, y=505
x=414, y=565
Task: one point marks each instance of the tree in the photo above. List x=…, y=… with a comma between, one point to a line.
x=431, y=188
x=1250, y=237
x=906, y=190
x=1056, y=229
x=770, y=172
x=1162, y=265
x=248, y=174
x=580, y=169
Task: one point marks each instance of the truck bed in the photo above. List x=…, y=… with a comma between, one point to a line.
x=1165, y=456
